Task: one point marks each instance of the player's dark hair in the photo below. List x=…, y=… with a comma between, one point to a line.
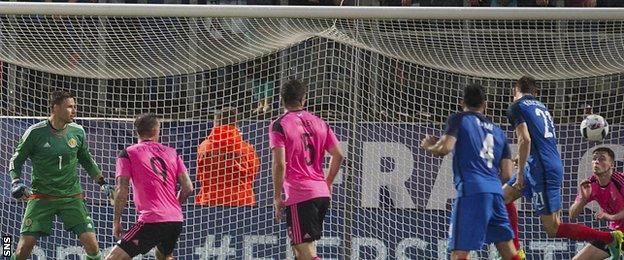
x=293, y=91
x=605, y=150
x=145, y=123
x=57, y=97
x=527, y=85
x=226, y=116
x=474, y=95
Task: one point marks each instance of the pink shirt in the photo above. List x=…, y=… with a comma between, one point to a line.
x=305, y=138
x=610, y=198
x=153, y=169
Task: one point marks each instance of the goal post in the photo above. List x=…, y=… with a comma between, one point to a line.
x=382, y=77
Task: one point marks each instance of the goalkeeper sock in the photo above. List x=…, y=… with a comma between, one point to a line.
x=97, y=256
x=580, y=232
x=513, y=219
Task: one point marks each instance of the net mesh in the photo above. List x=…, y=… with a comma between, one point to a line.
x=122, y=47
x=382, y=85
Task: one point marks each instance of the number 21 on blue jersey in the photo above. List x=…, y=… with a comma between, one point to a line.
x=549, y=126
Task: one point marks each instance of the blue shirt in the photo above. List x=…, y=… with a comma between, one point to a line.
x=544, y=157
x=479, y=149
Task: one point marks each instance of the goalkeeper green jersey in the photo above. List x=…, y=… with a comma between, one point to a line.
x=54, y=154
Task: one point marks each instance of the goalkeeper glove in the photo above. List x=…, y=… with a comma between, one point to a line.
x=108, y=190
x=19, y=190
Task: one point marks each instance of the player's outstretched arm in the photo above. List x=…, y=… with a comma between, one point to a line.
x=440, y=147
x=86, y=160
x=445, y=144
x=186, y=187
x=582, y=198
x=576, y=209
x=121, y=199
x=606, y=216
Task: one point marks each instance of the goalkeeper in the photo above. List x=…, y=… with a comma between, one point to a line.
x=54, y=146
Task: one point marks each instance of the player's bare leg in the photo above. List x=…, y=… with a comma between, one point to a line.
x=25, y=247
x=590, y=252
x=506, y=249
x=305, y=251
x=551, y=223
x=579, y=232
x=90, y=244
x=161, y=256
x=459, y=255
x=118, y=254
x=510, y=194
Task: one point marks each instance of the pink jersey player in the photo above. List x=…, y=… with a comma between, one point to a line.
x=153, y=169
x=610, y=198
x=305, y=138
x=298, y=141
x=606, y=187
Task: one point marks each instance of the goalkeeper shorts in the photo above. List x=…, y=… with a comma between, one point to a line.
x=39, y=216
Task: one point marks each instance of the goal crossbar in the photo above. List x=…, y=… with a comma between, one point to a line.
x=322, y=12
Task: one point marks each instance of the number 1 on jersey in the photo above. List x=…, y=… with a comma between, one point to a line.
x=60, y=162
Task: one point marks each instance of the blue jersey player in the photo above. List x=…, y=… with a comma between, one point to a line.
x=480, y=157
x=540, y=170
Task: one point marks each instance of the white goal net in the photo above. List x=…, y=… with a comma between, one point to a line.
x=383, y=84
